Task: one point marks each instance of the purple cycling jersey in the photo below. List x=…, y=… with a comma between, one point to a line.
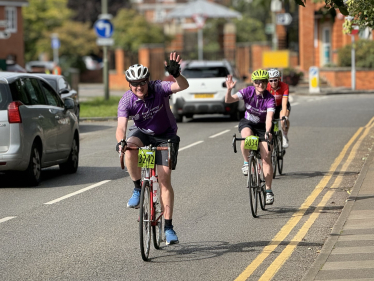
x=152, y=115
x=256, y=106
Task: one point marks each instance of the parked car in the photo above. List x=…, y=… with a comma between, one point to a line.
x=39, y=66
x=207, y=90
x=63, y=88
x=37, y=129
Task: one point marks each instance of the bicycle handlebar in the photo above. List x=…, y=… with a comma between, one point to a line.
x=235, y=139
x=124, y=147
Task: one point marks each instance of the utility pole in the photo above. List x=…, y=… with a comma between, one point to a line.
x=104, y=10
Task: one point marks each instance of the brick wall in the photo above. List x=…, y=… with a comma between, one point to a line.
x=341, y=77
x=306, y=36
x=14, y=45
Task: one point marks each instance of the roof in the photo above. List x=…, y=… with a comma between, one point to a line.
x=10, y=77
x=17, y=3
x=204, y=8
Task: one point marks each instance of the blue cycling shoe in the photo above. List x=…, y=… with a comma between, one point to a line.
x=135, y=199
x=171, y=236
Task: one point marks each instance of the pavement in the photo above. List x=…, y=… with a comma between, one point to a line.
x=348, y=253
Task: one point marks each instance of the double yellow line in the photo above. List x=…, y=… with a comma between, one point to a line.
x=296, y=217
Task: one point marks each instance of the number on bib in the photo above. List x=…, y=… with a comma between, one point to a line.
x=251, y=143
x=146, y=158
x=276, y=128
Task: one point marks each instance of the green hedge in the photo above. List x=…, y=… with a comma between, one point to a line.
x=364, y=54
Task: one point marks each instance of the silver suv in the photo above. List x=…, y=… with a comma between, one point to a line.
x=37, y=128
x=206, y=91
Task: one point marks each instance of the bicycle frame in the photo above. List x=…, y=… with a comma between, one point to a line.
x=149, y=173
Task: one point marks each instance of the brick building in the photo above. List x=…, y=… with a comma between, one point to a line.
x=12, y=44
x=320, y=37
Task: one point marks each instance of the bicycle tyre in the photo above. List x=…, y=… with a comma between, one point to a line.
x=262, y=188
x=274, y=156
x=252, y=185
x=280, y=152
x=145, y=221
x=157, y=229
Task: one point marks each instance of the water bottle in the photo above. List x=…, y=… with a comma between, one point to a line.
x=155, y=188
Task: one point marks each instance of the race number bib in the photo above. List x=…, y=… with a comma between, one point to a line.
x=251, y=143
x=276, y=128
x=146, y=158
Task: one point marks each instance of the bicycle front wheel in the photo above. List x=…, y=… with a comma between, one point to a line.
x=252, y=185
x=274, y=156
x=145, y=221
x=261, y=185
x=157, y=225
x=280, y=153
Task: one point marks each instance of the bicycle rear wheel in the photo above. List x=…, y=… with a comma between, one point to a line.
x=145, y=221
x=252, y=185
x=280, y=152
x=157, y=228
x=274, y=156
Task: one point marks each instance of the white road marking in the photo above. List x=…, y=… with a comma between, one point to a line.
x=221, y=133
x=290, y=98
x=293, y=104
x=6, y=219
x=192, y=144
x=236, y=126
x=77, y=192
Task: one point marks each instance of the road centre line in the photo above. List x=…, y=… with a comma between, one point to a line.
x=6, y=219
x=296, y=217
x=287, y=252
x=77, y=192
x=221, y=133
x=190, y=145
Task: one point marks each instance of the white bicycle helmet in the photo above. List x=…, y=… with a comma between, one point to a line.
x=273, y=73
x=137, y=72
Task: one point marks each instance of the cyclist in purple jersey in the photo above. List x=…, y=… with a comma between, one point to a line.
x=260, y=108
x=147, y=104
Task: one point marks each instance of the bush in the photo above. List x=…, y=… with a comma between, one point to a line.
x=292, y=76
x=364, y=54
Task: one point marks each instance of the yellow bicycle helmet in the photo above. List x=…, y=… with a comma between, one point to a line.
x=260, y=74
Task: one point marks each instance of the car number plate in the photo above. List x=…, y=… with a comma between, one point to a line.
x=204, y=96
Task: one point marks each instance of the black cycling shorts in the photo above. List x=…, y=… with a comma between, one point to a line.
x=258, y=129
x=278, y=109
x=158, y=140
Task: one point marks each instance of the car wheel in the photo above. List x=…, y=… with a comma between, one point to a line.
x=33, y=172
x=71, y=166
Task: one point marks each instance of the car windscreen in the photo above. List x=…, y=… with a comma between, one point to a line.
x=205, y=72
x=5, y=97
x=52, y=82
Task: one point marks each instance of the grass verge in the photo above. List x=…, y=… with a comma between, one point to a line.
x=99, y=107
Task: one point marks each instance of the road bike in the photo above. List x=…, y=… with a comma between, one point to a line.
x=150, y=213
x=278, y=150
x=256, y=179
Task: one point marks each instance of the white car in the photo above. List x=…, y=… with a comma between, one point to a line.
x=207, y=90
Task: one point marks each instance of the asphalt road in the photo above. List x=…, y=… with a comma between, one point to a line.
x=77, y=227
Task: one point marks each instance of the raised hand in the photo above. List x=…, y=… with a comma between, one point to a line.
x=229, y=82
x=173, y=67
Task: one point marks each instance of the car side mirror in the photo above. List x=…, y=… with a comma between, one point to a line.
x=63, y=91
x=68, y=103
x=224, y=85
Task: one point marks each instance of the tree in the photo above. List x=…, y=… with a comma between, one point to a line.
x=41, y=16
x=89, y=10
x=132, y=30
x=362, y=11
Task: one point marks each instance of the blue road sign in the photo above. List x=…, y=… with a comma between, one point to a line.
x=104, y=28
x=55, y=43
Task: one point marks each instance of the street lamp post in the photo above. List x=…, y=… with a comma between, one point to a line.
x=104, y=10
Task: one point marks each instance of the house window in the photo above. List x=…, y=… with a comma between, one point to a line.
x=326, y=45
x=11, y=17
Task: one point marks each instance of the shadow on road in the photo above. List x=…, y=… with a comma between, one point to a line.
x=84, y=128
x=302, y=175
x=53, y=177
x=211, y=249
x=209, y=118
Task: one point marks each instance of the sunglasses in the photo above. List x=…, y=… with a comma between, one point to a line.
x=136, y=84
x=258, y=82
x=275, y=80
